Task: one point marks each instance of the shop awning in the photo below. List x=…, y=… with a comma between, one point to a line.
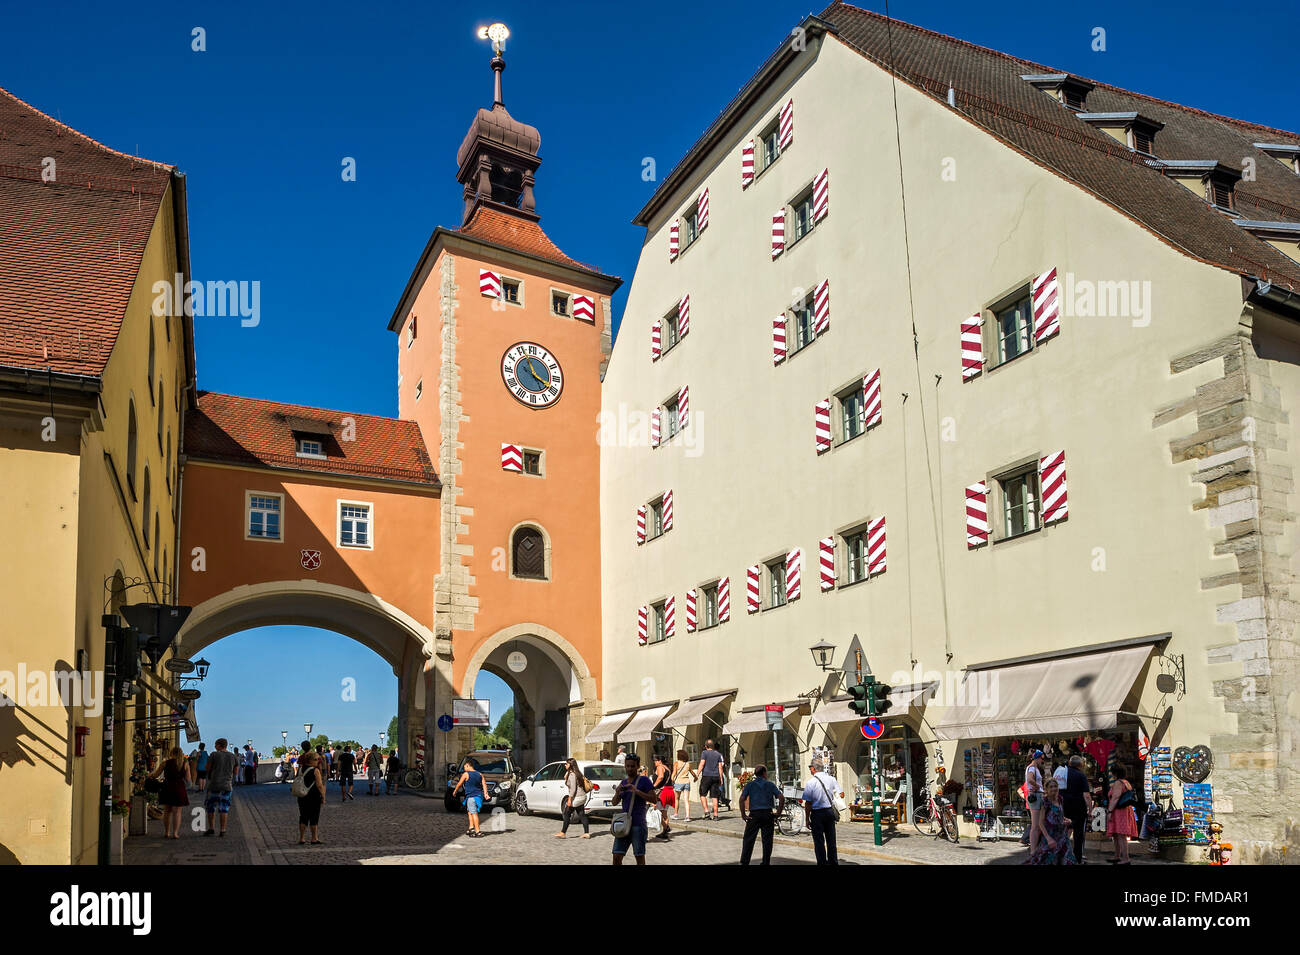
x=604, y=730
x=642, y=725
x=1045, y=695
x=901, y=698
x=755, y=720
x=692, y=712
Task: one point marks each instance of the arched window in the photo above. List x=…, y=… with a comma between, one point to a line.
x=156, y=541
x=528, y=553
x=161, y=410
x=169, y=460
x=153, y=350
x=131, y=442
x=144, y=514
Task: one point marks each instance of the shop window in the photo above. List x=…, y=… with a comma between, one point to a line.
x=782, y=758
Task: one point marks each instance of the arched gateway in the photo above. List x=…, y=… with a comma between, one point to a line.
x=467, y=528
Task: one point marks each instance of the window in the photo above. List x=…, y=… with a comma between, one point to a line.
x=769, y=146
x=410, y=332
x=655, y=526
x=153, y=351
x=803, y=316
x=419, y=389
x=657, y=634
x=264, y=516
x=510, y=290
x=776, y=583
x=161, y=408
x=1072, y=97
x=1019, y=491
x=533, y=462
x=672, y=421
x=853, y=413
x=855, y=547
x=132, y=442
x=529, y=550
x=690, y=227
x=169, y=460
x=781, y=755
x=144, y=514
x=671, y=333
x=803, y=216
x=354, y=524
x=559, y=303
x=1015, y=327
x=709, y=616
x=1220, y=193
x=311, y=447
x=156, y=539
x=1141, y=141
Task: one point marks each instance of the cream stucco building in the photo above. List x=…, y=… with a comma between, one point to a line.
x=1163, y=384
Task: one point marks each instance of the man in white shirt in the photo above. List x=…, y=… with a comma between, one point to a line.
x=819, y=809
x=621, y=755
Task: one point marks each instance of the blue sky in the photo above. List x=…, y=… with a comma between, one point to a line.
x=261, y=122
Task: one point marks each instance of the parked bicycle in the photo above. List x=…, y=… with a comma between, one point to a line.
x=414, y=776
x=790, y=820
x=937, y=816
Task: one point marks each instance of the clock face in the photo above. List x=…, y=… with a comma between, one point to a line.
x=532, y=374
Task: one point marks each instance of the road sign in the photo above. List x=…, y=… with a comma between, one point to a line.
x=444, y=723
x=775, y=715
x=470, y=713
x=855, y=661
x=873, y=729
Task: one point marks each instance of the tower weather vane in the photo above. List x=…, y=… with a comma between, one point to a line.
x=497, y=33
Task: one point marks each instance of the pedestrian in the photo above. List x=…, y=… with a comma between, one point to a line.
x=393, y=772
x=578, y=785
x=175, y=776
x=250, y=765
x=760, y=803
x=819, y=809
x=683, y=774
x=1054, y=830
x=223, y=770
x=1076, y=800
x=604, y=756
x=1034, y=797
x=312, y=787
x=201, y=768
x=710, y=773
x=1121, y=824
x=471, y=780
x=284, y=772
x=330, y=756
x=374, y=770
x=621, y=755
x=347, y=767
x=662, y=778
x=637, y=793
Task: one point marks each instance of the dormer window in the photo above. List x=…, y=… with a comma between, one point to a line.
x=1285, y=153
x=1140, y=140
x=1220, y=193
x=1071, y=91
x=1134, y=130
x=1211, y=180
x=310, y=436
x=311, y=447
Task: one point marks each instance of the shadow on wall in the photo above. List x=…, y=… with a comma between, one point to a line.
x=49, y=744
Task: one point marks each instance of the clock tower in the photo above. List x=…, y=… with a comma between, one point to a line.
x=502, y=341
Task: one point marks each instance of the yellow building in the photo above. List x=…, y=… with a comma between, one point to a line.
x=93, y=387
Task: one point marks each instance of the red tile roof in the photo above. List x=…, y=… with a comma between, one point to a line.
x=990, y=93
x=70, y=249
x=515, y=232
x=252, y=431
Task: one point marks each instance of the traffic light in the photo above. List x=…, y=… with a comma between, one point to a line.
x=858, y=699
x=882, y=702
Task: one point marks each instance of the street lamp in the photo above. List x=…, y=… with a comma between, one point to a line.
x=381, y=738
x=823, y=654
x=306, y=728
x=201, y=665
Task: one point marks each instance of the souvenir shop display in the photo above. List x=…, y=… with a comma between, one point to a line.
x=1193, y=764
x=1198, y=812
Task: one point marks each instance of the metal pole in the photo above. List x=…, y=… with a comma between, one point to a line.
x=875, y=764
x=106, y=746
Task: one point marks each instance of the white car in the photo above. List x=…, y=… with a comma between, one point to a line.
x=544, y=790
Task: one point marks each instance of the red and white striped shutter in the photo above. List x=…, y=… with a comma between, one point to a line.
x=822, y=420
x=668, y=510
x=584, y=308
x=670, y=616
x=1046, y=292
x=746, y=164
x=512, y=458
x=977, y=514
x=654, y=428
x=826, y=560
x=489, y=283
x=822, y=307
x=821, y=195
x=874, y=412
x=702, y=212
x=642, y=613
x=724, y=599
x=684, y=406
x=673, y=241
x=778, y=339
x=778, y=232
x=690, y=611
x=793, y=574
x=656, y=340
x=684, y=316
x=640, y=524
x=751, y=588
x=876, y=547
x=787, y=124
x=972, y=347
x=1051, y=483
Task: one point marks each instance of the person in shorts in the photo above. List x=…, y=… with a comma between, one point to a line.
x=201, y=767
x=683, y=776
x=710, y=773
x=347, y=768
x=471, y=782
x=223, y=769
x=637, y=792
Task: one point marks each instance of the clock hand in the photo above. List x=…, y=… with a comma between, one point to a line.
x=539, y=378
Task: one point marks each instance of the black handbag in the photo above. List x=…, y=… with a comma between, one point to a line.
x=152, y=785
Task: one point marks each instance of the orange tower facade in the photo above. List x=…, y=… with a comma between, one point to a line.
x=502, y=341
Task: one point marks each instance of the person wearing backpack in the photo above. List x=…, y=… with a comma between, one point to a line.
x=309, y=787
x=1121, y=825
x=578, y=785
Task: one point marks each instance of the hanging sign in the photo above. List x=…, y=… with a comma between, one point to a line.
x=775, y=715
